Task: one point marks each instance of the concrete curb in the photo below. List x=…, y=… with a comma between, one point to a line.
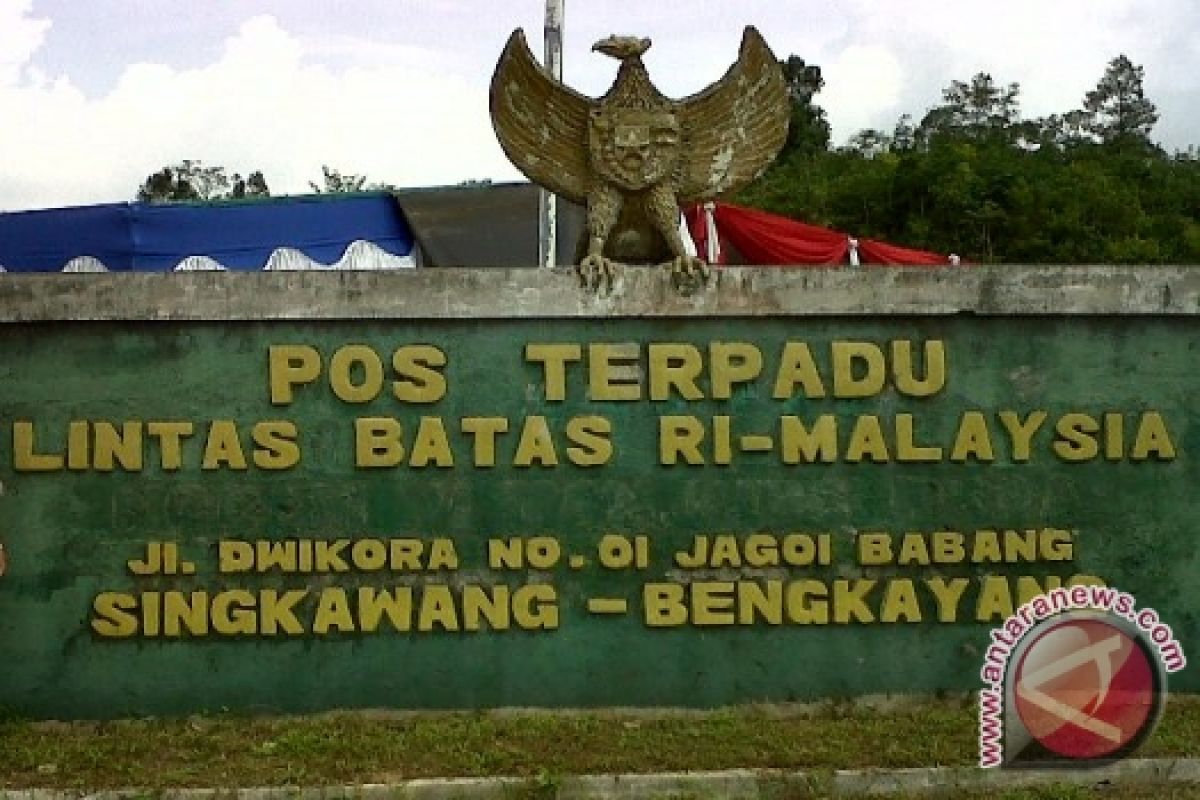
x=452, y=293
x=737, y=784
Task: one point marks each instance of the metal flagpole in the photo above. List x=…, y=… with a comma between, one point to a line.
x=547, y=202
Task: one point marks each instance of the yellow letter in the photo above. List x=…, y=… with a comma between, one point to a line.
x=374, y=603
x=1075, y=442
x=674, y=365
x=613, y=372
x=431, y=444
x=483, y=431
x=420, y=380
x=906, y=447
x=732, y=362
x=114, y=617
x=333, y=611
x=277, y=446
x=1152, y=439
x=845, y=382
x=536, y=444
x=874, y=549
x=899, y=600
x=235, y=556
x=995, y=602
x=535, y=607
x=553, y=358
x=803, y=611
x=170, y=435
x=935, y=368
x=288, y=365
x=78, y=444
x=663, y=606
x=1020, y=432
x=437, y=607
x=800, y=445
x=850, y=600
x=796, y=366
x=973, y=439
x=233, y=613
x=341, y=367
x=713, y=603
x=377, y=442
x=112, y=448
x=223, y=447
x=866, y=440
x=590, y=437
x=24, y=457
x=947, y=592
x=679, y=436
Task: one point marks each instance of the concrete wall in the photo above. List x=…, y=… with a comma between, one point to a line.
x=458, y=489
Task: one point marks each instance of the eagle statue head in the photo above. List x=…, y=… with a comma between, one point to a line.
x=622, y=48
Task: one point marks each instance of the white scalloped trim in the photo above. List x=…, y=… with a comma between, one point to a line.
x=359, y=255
x=198, y=264
x=85, y=264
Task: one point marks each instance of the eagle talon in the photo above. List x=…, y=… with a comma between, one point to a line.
x=688, y=272
x=595, y=271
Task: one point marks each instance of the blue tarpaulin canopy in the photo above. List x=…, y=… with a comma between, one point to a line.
x=238, y=235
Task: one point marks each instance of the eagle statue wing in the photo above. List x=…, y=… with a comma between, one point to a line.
x=541, y=124
x=733, y=130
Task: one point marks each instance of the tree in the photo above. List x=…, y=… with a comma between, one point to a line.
x=255, y=185
x=192, y=180
x=1057, y=130
x=334, y=181
x=1118, y=108
x=808, y=128
x=904, y=135
x=975, y=179
x=979, y=108
x=869, y=143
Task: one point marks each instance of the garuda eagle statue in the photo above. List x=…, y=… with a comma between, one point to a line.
x=634, y=155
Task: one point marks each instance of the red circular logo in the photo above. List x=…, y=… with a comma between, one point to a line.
x=1086, y=689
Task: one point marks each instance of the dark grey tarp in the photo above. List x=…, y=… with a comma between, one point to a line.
x=485, y=225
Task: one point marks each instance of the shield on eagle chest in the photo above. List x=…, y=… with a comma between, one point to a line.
x=633, y=148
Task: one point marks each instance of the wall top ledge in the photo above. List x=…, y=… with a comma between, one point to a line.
x=1007, y=290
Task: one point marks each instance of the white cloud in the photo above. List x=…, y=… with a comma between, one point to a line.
x=862, y=85
x=261, y=105
x=404, y=98
x=1056, y=51
x=20, y=37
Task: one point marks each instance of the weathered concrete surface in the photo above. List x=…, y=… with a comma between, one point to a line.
x=638, y=292
x=740, y=784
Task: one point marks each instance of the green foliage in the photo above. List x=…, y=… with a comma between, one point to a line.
x=1082, y=186
x=977, y=109
x=334, y=181
x=1118, y=106
x=192, y=180
x=808, y=129
x=542, y=748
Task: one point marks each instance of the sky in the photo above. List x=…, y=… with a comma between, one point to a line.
x=95, y=95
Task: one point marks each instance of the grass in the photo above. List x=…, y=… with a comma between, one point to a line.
x=341, y=748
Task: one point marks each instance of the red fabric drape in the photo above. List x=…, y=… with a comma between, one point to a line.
x=871, y=251
x=764, y=238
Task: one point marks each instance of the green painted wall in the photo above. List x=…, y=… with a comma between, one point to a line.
x=69, y=534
